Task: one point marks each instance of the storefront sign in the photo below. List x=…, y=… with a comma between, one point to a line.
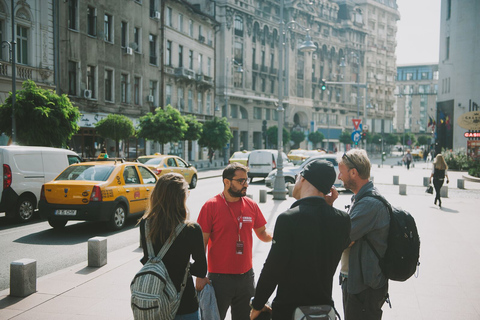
x=470, y=120
x=471, y=134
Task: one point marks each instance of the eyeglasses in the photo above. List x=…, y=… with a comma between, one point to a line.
x=241, y=181
x=349, y=160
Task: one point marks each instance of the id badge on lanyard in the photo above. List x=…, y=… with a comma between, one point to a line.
x=239, y=246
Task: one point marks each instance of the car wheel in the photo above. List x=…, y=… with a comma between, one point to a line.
x=57, y=224
x=25, y=208
x=289, y=180
x=193, y=183
x=118, y=218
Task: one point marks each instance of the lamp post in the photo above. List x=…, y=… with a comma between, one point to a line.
x=11, y=50
x=229, y=63
x=358, y=83
x=279, y=191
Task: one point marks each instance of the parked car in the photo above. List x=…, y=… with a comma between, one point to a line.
x=25, y=170
x=161, y=164
x=296, y=155
x=240, y=157
x=290, y=173
x=109, y=191
x=261, y=162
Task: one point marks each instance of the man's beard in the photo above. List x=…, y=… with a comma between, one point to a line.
x=237, y=194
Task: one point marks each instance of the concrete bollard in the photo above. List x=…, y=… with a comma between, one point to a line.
x=426, y=181
x=23, y=277
x=461, y=183
x=403, y=189
x=444, y=192
x=290, y=190
x=97, y=252
x=396, y=180
x=379, y=166
x=250, y=196
x=263, y=196
x=391, y=166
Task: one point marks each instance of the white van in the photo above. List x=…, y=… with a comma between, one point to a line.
x=262, y=162
x=25, y=170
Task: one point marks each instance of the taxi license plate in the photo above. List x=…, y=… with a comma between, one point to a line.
x=65, y=212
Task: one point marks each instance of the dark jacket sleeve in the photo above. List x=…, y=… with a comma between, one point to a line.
x=199, y=267
x=143, y=242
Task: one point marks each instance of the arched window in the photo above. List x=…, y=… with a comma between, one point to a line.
x=256, y=31
x=238, y=26
x=265, y=35
x=274, y=37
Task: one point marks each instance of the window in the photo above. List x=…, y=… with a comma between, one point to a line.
x=180, y=22
x=209, y=67
x=424, y=75
x=267, y=114
x=238, y=52
x=124, y=32
x=447, y=48
x=190, y=28
x=136, y=39
x=153, y=9
x=200, y=102
x=272, y=86
x=264, y=84
x=136, y=90
x=254, y=82
x=209, y=104
x=200, y=63
x=449, y=9
x=108, y=28
x=168, y=56
x=108, y=85
x=72, y=78
x=200, y=34
x=72, y=14
x=275, y=115
x=22, y=45
x=190, y=59
x=300, y=88
x=92, y=21
x=168, y=94
x=209, y=38
x=153, y=49
x=190, y=100
x=180, y=56
x=152, y=90
x=234, y=111
x=180, y=99
x=238, y=26
x=1, y=38
x=168, y=17
x=124, y=88
x=257, y=113
x=409, y=76
x=91, y=80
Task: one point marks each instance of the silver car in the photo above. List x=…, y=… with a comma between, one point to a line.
x=290, y=173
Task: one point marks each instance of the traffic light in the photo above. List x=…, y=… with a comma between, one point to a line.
x=323, y=85
x=264, y=127
x=364, y=134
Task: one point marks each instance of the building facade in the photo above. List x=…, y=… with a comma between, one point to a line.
x=459, y=72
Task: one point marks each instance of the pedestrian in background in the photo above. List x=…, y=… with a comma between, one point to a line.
x=408, y=158
x=308, y=242
x=227, y=221
x=439, y=173
x=168, y=209
x=364, y=286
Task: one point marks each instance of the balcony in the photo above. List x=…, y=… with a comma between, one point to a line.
x=204, y=81
x=24, y=72
x=264, y=69
x=273, y=70
x=184, y=74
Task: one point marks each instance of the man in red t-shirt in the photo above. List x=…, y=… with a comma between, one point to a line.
x=227, y=221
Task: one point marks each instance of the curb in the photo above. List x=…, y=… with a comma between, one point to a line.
x=470, y=178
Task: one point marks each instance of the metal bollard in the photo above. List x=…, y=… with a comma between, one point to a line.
x=396, y=180
x=263, y=196
x=461, y=183
x=97, y=251
x=426, y=181
x=23, y=277
x=290, y=190
x=444, y=192
x=403, y=189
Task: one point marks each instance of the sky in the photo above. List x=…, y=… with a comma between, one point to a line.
x=418, y=32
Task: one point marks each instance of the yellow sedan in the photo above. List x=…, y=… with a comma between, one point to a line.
x=240, y=157
x=161, y=164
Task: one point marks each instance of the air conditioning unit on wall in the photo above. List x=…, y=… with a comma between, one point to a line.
x=129, y=50
x=157, y=15
x=150, y=98
x=87, y=94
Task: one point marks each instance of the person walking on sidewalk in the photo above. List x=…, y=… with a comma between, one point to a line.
x=308, y=241
x=408, y=158
x=364, y=286
x=439, y=173
x=227, y=221
x=168, y=209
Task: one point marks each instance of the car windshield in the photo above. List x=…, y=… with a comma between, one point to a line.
x=240, y=155
x=297, y=152
x=150, y=161
x=86, y=173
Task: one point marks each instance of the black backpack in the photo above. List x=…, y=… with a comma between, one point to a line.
x=403, y=245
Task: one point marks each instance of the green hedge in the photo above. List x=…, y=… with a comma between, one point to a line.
x=458, y=160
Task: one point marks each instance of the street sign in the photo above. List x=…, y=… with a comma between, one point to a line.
x=356, y=123
x=356, y=136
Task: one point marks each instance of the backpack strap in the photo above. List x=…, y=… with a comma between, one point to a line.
x=166, y=245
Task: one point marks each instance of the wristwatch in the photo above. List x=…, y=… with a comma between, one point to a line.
x=251, y=303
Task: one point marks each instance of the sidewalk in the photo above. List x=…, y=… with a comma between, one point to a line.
x=448, y=285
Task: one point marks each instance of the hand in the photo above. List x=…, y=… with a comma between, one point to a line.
x=200, y=283
x=332, y=196
x=255, y=313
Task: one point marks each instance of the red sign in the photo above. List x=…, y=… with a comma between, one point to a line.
x=356, y=123
x=472, y=134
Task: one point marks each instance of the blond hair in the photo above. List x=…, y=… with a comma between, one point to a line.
x=358, y=159
x=440, y=163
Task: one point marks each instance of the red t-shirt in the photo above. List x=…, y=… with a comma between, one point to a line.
x=217, y=219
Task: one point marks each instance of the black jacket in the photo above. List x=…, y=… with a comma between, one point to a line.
x=308, y=242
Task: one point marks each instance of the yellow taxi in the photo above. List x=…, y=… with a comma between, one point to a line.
x=109, y=191
x=296, y=156
x=240, y=157
x=161, y=164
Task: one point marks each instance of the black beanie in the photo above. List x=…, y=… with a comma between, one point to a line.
x=321, y=174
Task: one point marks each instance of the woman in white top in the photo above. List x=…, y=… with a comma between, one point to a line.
x=439, y=173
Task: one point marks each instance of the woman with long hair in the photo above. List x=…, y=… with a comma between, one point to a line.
x=168, y=209
x=439, y=173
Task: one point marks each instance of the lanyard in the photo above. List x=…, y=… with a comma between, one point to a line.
x=238, y=222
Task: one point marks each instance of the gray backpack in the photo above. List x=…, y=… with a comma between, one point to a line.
x=154, y=295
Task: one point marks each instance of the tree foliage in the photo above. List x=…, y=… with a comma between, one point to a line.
x=216, y=134
x=272, y=134
x=116, y=127
x=315, y=137
x=194, y=130
x=297, y=138
x=391, y=139
x=345, y=137
x=408, y=137
x=423, y=140
x=42, y=117
x=166, y=125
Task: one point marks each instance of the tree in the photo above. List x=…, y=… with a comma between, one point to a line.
x=166, y=125
x=408, y=137
x=194, y=130
x=315, y=137
x=116, y=127
x=272, y=134
x=43, y=118
x=423, y=140
x=215, y=135
x=297, y=138
x=391, y=139
x=345, y=137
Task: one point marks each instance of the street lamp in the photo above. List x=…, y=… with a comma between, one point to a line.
x=357, y=60
x=279, y=191
x=239, y=69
